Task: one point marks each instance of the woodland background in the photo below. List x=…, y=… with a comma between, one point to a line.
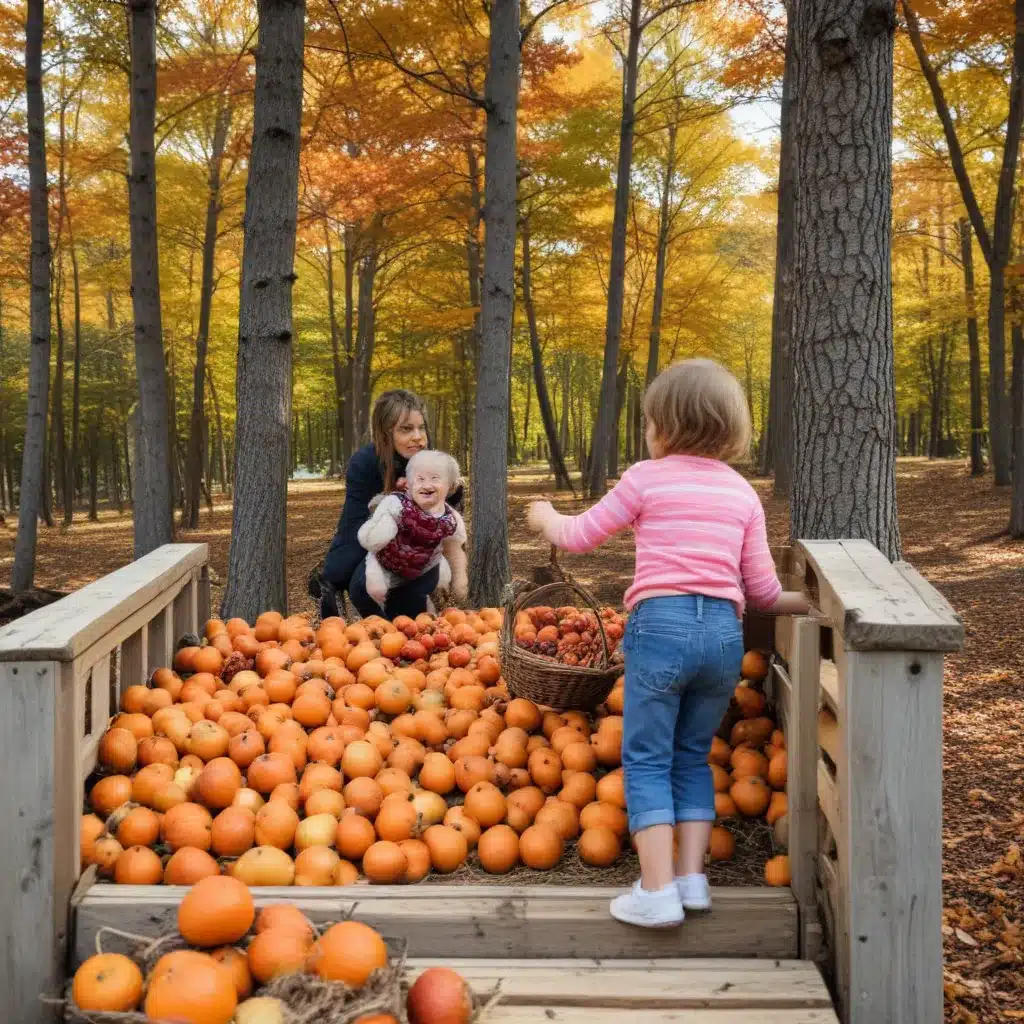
x=391, y=225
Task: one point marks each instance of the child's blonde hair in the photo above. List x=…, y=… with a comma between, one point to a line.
x=697, y=407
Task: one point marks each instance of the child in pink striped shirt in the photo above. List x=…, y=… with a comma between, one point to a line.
x=701, y=555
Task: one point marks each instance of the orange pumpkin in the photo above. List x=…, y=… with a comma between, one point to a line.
x=107, y=982
x=275, y=952
x=776, y=871
x=216, y=912
x=350, y=952
x=190, y=986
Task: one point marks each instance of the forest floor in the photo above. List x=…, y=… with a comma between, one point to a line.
x=954, y=532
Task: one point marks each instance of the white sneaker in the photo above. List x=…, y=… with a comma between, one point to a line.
x=694, y=892
x=659, y=909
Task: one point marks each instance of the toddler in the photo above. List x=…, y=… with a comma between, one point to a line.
x=701, y=554
x=411, y=531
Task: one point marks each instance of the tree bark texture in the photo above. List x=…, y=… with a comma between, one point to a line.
x=196, y=433
x=489, y=555
x=257, y=580
x=1017, y=494
x=154, y=523
x=547, y=416
x=974, y=349
x=340, y=370
x=34, y=453
x=606, y=424
x=777, y=447
x=844, y=481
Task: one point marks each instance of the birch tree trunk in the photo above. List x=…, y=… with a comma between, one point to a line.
x=844, y=481
x=489, y=556
x=556, y=458
x=32, y=463
x=154, y=523
x=257, y=579
x=607, y=420
x=194, y=465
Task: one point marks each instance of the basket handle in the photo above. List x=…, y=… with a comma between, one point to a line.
x=516, y=595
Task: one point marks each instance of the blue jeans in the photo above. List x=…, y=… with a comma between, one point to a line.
x=683, y=657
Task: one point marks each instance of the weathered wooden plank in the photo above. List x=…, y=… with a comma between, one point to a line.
x=134, y=656
x=704, y=983
x=802, y=757
x=186, y=605
x=161, y=640
x=38, y=834
x=66, y=629
x=496, y=921
x=594, y=1015
x=203, y=597
x=828, y=798
x=874, y=605
x=891, y=797
x=782, y=694
x=828, y=679
x=828, y=734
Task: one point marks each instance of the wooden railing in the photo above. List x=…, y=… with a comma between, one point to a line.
x=859, y=690
x=858, y=687
x=62, y=670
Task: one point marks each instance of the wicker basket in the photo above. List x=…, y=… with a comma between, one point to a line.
x=541, y=679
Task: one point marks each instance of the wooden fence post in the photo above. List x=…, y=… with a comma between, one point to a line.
x=62, y=669
x=879, y=778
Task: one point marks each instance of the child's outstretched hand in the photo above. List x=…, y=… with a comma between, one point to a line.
x=539, y=515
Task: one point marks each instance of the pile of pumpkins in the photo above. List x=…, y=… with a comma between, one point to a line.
x=233, y=952
x=283, y=755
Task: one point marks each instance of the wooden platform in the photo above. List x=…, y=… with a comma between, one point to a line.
x=694, y=991
x=499, y=921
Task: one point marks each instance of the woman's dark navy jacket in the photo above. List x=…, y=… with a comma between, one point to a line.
x=364, y=480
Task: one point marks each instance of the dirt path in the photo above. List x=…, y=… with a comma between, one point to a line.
x=953, y=531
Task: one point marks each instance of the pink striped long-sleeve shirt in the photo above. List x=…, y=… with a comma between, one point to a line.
x=699, y=529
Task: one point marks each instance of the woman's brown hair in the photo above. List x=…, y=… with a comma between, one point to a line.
x=388, y=411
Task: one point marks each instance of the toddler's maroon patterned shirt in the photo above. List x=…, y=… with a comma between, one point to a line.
x=419, y=535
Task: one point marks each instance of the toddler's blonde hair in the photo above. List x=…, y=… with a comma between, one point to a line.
x=697, y=407
x=441, y=462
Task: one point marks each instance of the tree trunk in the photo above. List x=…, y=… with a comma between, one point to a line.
x=1017, y=494
x=777, y=447
x=257, y=579
x=225, y=480
x=154, y=522
x=58, y=446
x=194, y=466
x=621, y=380
x=351, y=438
x=33, y=456
x=115, y=470
x=366, y=333
x=606, y=425
x=340, y=371
x=490, y=557
x=977, y=421
x=557, y=458
x=95, y=433
x=563, y=434
x=77, y=370
x=844, y=482
x=654, y=345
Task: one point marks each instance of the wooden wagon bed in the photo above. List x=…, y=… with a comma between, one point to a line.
x=857, y=688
